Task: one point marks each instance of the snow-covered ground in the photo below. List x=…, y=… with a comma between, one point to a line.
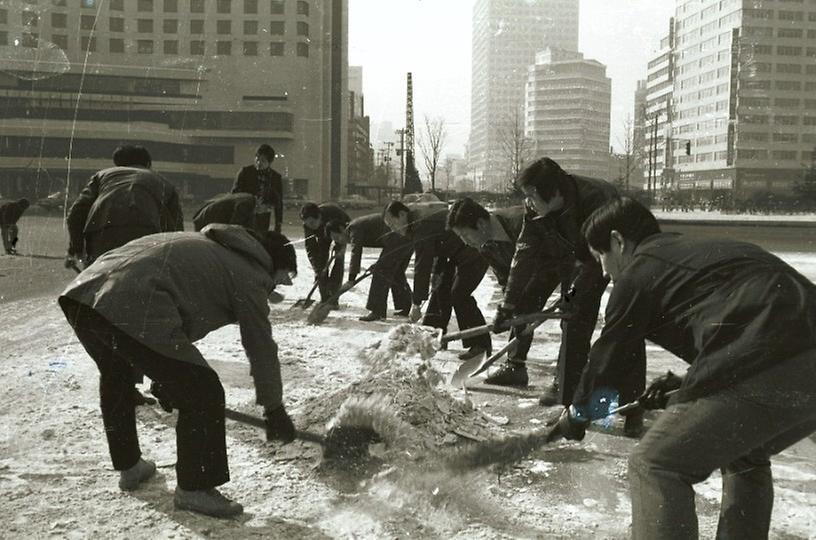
x=56, y=479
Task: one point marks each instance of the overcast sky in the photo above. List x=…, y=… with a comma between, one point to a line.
x=431, y=38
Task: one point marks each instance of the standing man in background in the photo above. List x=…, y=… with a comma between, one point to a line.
x=266, y=184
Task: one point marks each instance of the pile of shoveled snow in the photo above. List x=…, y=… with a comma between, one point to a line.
x=404, y=397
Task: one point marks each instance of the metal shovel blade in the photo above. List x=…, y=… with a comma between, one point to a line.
x=303, y=303
x=461, y=375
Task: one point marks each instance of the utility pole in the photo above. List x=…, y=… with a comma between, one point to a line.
x=401, y=154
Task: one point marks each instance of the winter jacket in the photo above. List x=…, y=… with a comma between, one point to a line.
x=317, y=241
x=367, y=232
x=124, y=197
x=229, y=208
x=555, y=240
x=12, y=211
x=169, y=290
x=265, y=186
x=729, y=309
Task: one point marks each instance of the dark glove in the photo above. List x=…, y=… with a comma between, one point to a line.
x=569, y=426
x=655, y=395
x=501, y=322
x=279, y=426
x=161, y=394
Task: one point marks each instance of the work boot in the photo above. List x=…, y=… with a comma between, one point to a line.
x=209, y=502
x=509, y=374
x=402, y=312
x=130, y=479
x=141, y=399
x=275, y=297
x=633, y=425
x=473, y=352
x=551, y=396
x=371, y=317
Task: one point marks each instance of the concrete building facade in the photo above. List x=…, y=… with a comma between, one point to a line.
x=201, y=83
x=506, y=35
x=655, y=117
x=567, y=111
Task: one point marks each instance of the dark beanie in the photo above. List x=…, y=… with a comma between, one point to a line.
x=281, y=252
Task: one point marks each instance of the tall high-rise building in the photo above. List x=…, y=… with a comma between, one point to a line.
x=201, y=83
x=656, y=115
x=567, y=111
x=506, y=35
x=744, y=105
x=360, y=152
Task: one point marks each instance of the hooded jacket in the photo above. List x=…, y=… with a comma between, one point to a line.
x=169, y=290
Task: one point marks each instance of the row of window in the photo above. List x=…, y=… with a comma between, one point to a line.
x=780, y=155
x=194, y=47
x=250, y=7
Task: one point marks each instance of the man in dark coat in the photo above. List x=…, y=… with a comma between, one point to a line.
x=266, y=185
x=389, y=271
x=228, y=208
x=495, y=234
x=743, y=320
x=443, y=259
x=562, y=203
x=326, y=262
x=10, y=214
x=143, y=305
x=121, y=203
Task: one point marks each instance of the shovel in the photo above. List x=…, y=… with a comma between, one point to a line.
x=321, y=310
x=488, y=328
x=304, y=303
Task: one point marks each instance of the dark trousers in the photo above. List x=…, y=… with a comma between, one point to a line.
x=264, y=220
x=735, y=430
x=322, y=262
x=389, y=274
x=455, y=293
x=536, y=294
x=195, y=390
x=9, y=234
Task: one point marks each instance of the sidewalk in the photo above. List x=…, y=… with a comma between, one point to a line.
x=704, y=217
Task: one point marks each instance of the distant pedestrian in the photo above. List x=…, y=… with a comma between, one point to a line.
x=143, y=306
x=10, y=213
x=327, y=263
x=227, y=208
x=266, y=185
x=389, y=270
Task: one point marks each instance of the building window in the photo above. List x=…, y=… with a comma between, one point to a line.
x=116, y=24
x=250, y=7
x=783, y=15
x=223, y=48
x=144, y=5
x=3, y=37
x=171, y=6
x=224, y=27
x=276, y=28
x=197, y=26
x=781, y=120
x=88, y=4
x=276, y=48
x=86, y=22
x=787, y=103
x=223, y=6
x=144, y=46
x=788, y=68
x=59, y=20
x=276, y=7
x=250, y=48
x=789, y=33
x=302, y=8
x=788, y=85
x=116, y=45
x=303, y=29
x=3, y=16
x=303, y=50
x=170, y=46
x=783, y=50
x=117, y=5
x=30, y=18
x=197, y=47
x=59, y=3
x=786, y=137
x=60, y=41
x=144, y=26
x=170, y=26
x=197, y=6
x=786, y=155
x=250, y=28
x=87, y=43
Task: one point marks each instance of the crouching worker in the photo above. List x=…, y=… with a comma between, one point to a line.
x=143, y=305
x=743, y=320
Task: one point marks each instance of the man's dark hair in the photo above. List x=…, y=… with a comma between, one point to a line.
x=335, y=226
x=132, y=156
x=24, y=203
x=546, y=176
x=394, y=208
x=627, y=216
x=310, y=210
x=466, y=213
x=266, y=151
x=281, y=251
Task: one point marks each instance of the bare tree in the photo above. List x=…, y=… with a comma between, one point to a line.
x=516, y=148
x=431, y=142
x=630, y=160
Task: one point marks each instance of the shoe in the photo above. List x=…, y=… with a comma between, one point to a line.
x=551, y=396
x=141, y=399
x=275, y=297
x=209, y=502
x=509, y=374
x=402, y=313
x=372, y=317
x=473, y=352
x=633, y=425
x=131, y=478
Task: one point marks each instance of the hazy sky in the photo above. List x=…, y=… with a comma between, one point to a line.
x=431, y=38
